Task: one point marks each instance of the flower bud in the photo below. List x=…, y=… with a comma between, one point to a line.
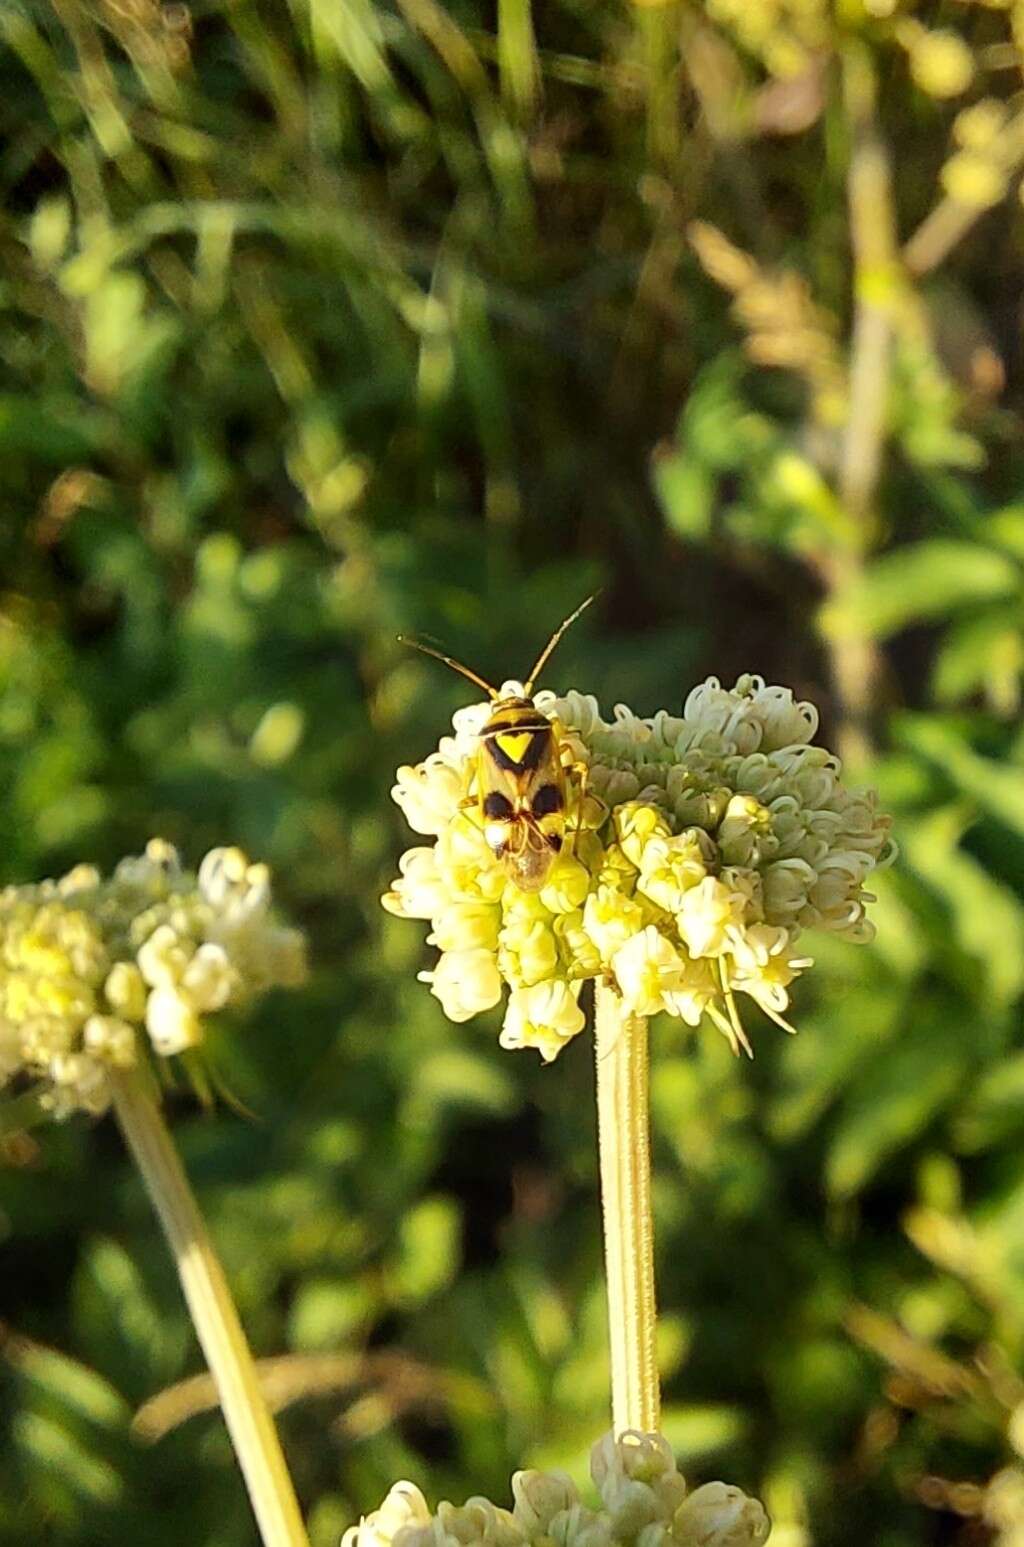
x=637, y=1479
x=539, y=1496
x=610, y=919
x=429, y=795
x=705, y=915
x=77, y=1083
x=465, y=982
x=171, y=1021
x=974, y=179
x=719, y=1515
x=941, y=62
x=670, y=866
x=745, y=834
x=466, y=926
x=404, y=1506
x=111, y=1039
x=635, y=823
x=527, y=952
x=209, y=978
x=419, y=892
x=580, y=1527
x=567, y=885
x=544, y=1015
x=578, y=956
x=163, y=958
x=479, y=1523
x=125, y=991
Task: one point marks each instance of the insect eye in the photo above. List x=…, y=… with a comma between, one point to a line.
x=497, y=807
x=547, y=800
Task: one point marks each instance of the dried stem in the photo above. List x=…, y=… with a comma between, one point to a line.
x=213, y=1314
x=877, y=283
x=625, y=1156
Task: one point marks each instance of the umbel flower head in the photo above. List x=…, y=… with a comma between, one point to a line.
x=93, y=971
x=643, y=1503
x=706, y=843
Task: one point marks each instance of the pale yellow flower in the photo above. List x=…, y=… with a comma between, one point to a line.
x=404, y=1506
x=527, y=952
x=172, y=1023
x=465, y=982
x=567, y=885
x=706, y=914
x=671, y=866
x=419, y=892
x=469, y=925
x=545, y=1016
x=125, y=991
x=610, y=919
x=644, y=1503
x=719, y=1515
x=110, y=1039
x=94, y=971
x=539, y=1497
x=711, y=839
x=647, y=969
x=429, y=795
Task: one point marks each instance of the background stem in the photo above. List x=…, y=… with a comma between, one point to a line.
x=213, y=1314
x=625, y=1156
x=855, y=660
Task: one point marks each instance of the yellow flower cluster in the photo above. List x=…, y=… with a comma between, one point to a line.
x=92, y=968
x=708, y=842
x=643, y=1498
x=786, y=35
x=978, y=173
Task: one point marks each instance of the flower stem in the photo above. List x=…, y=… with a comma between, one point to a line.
x=213, y=1314
x=625, y=1156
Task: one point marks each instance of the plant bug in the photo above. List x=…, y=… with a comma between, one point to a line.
x=519, y=775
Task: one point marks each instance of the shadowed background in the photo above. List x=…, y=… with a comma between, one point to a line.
x=323, y=322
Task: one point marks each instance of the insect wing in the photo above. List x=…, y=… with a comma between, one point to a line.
x=498, y=790
x=529, y=864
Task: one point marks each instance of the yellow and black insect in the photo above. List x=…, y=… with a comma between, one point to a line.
x=519, y=777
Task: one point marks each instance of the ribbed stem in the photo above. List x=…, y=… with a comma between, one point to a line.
x=625, y=1156
x=213, y=1314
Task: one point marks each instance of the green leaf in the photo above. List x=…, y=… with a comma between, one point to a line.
x=894, y=1098
x=700, y=1429
x=846, y=1031
x=918, y=583
x=18, y=1114
x=456, y=1077
x=328, y=1314
x=988, y=919
x=1006, y=527
x=995, y=787
x=54, y=1449
x=995, y=1108
x=428, y=1256
x=983, y=653
x=686, y=489
x=77, y=1388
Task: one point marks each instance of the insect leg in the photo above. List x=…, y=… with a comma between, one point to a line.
x=582, y=772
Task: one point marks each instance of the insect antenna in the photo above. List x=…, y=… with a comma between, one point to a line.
x=552, y=642
x=463, y=671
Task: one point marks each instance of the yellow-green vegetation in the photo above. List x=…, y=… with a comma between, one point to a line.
x=328, y=322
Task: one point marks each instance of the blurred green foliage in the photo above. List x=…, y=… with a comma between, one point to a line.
x=325, y=321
